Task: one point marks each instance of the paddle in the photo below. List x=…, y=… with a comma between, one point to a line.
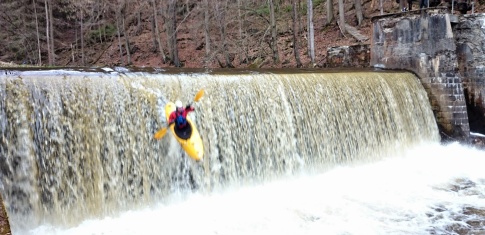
x=160, y=133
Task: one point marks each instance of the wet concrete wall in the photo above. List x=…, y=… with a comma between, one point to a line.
x=423, y=42
x=470, y=45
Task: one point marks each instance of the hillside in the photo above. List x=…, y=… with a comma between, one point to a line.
x=192, y=55
x=102, y=43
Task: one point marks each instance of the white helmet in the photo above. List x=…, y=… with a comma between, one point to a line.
x=178, y=104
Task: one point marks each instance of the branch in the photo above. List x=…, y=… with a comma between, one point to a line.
x=9, y=20
x=257, y=13
x=341, y=31
x=177, y=29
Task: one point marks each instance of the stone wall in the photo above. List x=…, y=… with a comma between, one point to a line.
x=423, y=42
x=470, y=43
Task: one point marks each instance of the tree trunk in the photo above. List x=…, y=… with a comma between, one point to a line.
x=157, y=32
x=358, y=12
x=298, y=8
x=83, y=61
x=47, y=33
x=75, y=46
x=222, y=27
x=274, y=32
x=242, y=34
x=329, y=11
x=311, y=37
x=207, y=32
x=127, y=41
x=37, y=33
x=296, y=49
x=51, y=32
x=172, y=32
x=100, y=26
x=341, y=13
x=381, y=7
x=118, y=30
x=154, y=35
x=138, y=22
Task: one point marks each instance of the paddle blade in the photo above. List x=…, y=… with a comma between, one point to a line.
x=160, y=133
x=199, y=95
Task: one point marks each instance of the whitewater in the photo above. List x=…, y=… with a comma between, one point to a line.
x=428, y=189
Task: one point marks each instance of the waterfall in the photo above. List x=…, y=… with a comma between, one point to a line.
x=79, y=144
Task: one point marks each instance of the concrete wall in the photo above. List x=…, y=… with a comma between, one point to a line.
x=423, y=42
x=470, y=42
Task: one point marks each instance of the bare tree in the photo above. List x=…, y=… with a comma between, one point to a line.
x=341, y=13
x=50, y=49
x=221, y=18
x=274, y=32
x=171, y=26
x=242, y=33
x=243, y=29
x=299, y=20
x=138, y=21
x=79, y=7
x=47, y=33
x=83, y=60
x=120, y=14
x=157, y=32
x=311, y=38
x=153, y=27
x=118, y=31
x=85, y=14
x=207, y=32
x=126, y=34
x=20, y=30
x=381, y=7
x=358, y=12
x=329, y=11
x=37, y=32
x=296, y=30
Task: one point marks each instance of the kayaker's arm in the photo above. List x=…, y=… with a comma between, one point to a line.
x=189, y=108
x=171, y=118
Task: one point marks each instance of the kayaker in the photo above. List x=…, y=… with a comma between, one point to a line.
x=179, y=116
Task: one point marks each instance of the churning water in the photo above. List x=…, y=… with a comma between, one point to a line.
x=427, y=189
x=303, y=152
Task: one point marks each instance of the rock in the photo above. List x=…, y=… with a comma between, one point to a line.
x=4, y=224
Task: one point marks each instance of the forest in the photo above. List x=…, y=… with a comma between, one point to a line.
x=181, y=33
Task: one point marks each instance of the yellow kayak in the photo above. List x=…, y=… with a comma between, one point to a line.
x=188, y=137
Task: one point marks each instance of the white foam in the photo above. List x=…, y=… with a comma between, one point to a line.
x=398, y=195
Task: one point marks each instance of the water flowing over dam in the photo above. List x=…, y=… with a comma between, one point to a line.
x=79, y=144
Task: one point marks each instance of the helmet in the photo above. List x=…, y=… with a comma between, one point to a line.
x=178, y=104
